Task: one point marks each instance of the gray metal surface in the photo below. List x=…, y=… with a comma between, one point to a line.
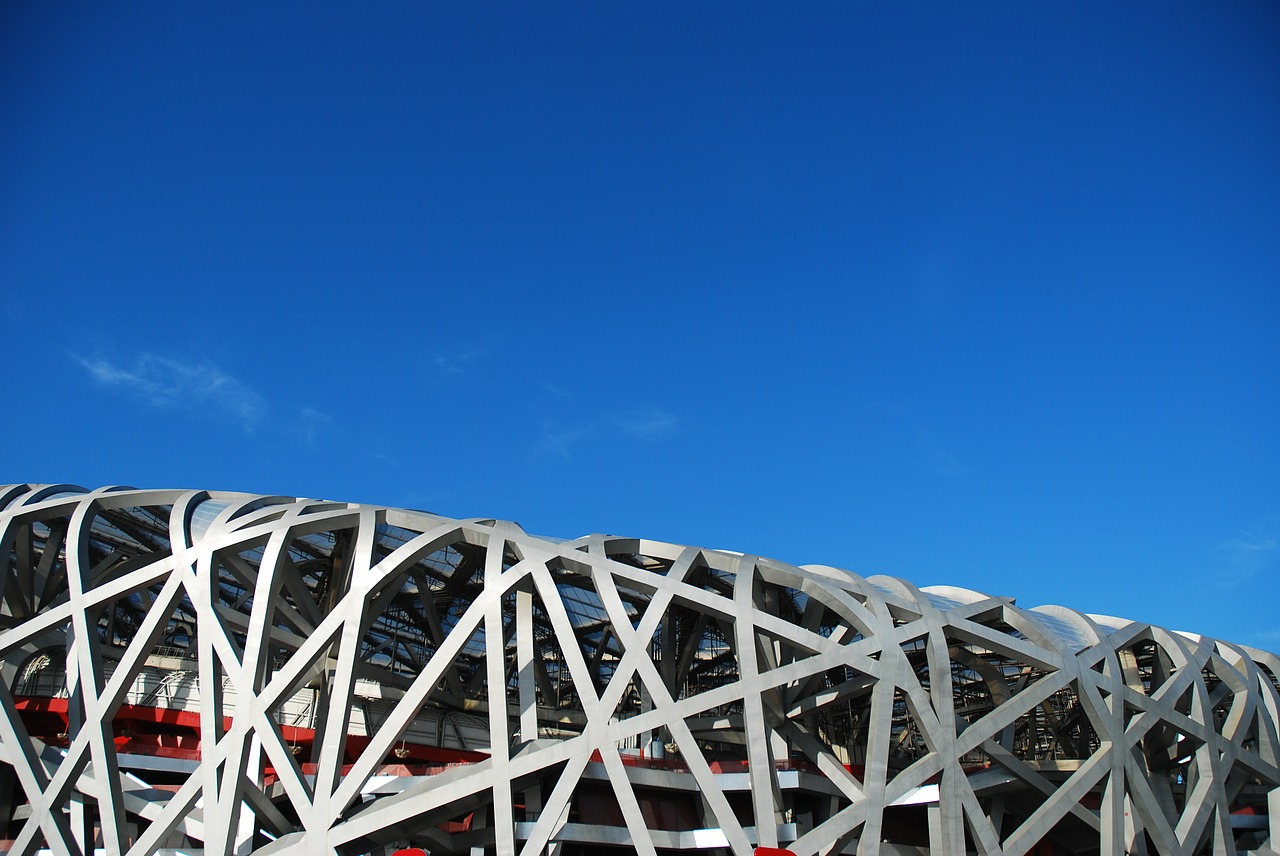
x=241, y=674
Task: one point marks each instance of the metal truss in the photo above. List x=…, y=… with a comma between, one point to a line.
x=197, y=671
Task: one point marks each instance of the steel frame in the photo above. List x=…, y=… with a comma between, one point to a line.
x=231, y=673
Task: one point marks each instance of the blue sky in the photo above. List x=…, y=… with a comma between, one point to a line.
x=986, y=296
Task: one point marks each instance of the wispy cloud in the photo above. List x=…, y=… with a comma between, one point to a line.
x=310, y=422
x=167, y=383
x=456, y=363
x=1248, y=554
x=649, y=423
x=557, y=392
x=557, y=441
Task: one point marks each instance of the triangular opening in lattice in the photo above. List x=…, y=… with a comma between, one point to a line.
x=985, y=679
x=908, y=740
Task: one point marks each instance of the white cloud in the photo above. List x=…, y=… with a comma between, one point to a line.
x=649, y=423
x=558, y=441
x=1246, y=555
x=167, y=383
x=1251, y=547
x=311, y=421
x=557, y=392
x=452, y=364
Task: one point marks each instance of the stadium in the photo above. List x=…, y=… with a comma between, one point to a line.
x=203, y=672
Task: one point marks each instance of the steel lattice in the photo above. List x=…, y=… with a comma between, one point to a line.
x=187, y=670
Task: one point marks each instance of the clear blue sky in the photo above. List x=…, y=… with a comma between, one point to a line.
x=981, y=295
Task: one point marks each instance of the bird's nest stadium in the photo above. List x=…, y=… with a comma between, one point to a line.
x=202, y=672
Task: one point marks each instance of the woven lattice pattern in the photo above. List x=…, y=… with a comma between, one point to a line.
x=234, y=673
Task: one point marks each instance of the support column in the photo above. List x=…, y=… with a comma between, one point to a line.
x=754, y=722
x=496, y=684
x=81, y=829
x=1273, y=817
x=936, y=834
x=946, y=819
x=527, y=677
x=248, y=825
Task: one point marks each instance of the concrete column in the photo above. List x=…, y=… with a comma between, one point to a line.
x=1273, y=817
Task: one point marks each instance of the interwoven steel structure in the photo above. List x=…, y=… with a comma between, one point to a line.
x=226, y=673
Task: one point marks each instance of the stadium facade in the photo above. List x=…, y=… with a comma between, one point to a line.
x=191, y=671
